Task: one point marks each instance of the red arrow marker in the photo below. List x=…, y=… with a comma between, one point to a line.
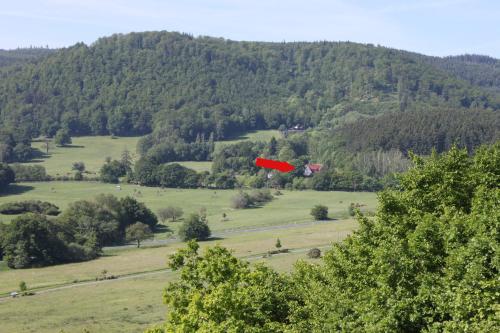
x=271, y=164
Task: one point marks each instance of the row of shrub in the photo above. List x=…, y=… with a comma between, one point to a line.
x=326, y=180
x=252, y=199
x=29, y=206
x=37, y=173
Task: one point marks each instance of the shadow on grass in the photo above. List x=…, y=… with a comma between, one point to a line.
x=215, y=238
x=72, y=146
x=161, y=228
x=36, y=161
x=14, y=189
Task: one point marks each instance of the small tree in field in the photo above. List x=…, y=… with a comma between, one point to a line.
x=62, y=138
x=320, y=212
x=195, y=227
x=23, y=287
x=170, y=212
x=138, y=232
x=278, y=244
x=78, y=166
x=314, y=253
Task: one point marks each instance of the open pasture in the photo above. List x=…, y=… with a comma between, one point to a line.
x=291, y=207
x=107, y=306
x=91, y=150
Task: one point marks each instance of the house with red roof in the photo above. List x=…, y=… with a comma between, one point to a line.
x=312, y=168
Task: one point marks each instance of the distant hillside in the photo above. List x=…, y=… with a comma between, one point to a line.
x=421, y=131
x=130, y=84
x=22, y=55
x=478, y=70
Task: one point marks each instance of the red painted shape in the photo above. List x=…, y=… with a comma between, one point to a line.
x=271, y=164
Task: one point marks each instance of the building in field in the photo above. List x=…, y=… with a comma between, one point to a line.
x=312, y=168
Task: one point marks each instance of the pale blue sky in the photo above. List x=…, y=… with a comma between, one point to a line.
x=434, y=27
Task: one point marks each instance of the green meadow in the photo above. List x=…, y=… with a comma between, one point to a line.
x=107, y=307
x=92, y=150
x=68, y=297
x=290, y=207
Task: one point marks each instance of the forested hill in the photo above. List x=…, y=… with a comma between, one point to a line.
x=23, y=55
x=478, y=70
x=128, y=84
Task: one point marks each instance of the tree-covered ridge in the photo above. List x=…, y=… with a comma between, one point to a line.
x=427, y=262
x=478, y=70
x=23, y=55
x=130, y=84
x=422, y=131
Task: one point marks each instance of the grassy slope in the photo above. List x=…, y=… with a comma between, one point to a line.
x=291, y=207
x=131, y=305
x=92, y=150
x=133, y=260
x=121, y=306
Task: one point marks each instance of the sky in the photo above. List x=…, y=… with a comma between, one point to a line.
x=433, y=27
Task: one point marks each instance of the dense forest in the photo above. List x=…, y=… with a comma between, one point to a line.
x=131, y=84
x=23, y=55
x=422, y=131
x=479, y=70
x=362, y=104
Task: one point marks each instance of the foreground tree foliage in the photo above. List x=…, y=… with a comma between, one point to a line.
x=219, y=293
x=427, y=262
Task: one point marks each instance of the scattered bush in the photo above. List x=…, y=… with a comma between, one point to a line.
x=353, y=207
x=170, y=212
x=62, y=138
x=320, y=212
x=7, y=175
x=240, y=200
x=30, y=206
x=138, y=232
x=260, y=196
x=29, y=173
x=111, y=171
x=256, y=198
x=194, y=227
x=278, y=244
x=351, y=210
x=78, y=176
x=314, y=253
x=78, y=166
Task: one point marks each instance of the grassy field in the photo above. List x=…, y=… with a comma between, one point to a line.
x=291, y=207
x=198, y=166
x=133, y=260
x=120, y=306
x=92, y=150
x=133, y=304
